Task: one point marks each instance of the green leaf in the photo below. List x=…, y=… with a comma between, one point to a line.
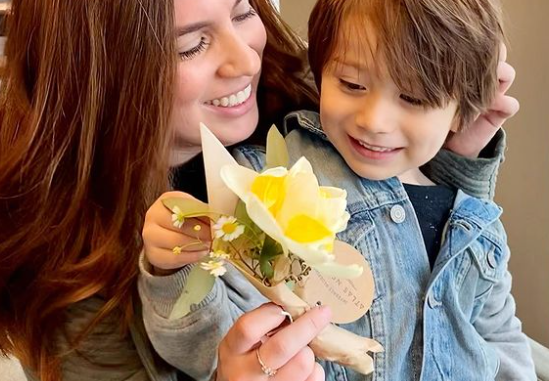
x=189, y=207
x=199, y=284
x=269, y=251
x=242, y=216
x=277, y=152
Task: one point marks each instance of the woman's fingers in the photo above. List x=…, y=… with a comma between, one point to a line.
x=289, y=341
x=251, y=327
x=286, y=353
x=317, y=374
x=299, y=368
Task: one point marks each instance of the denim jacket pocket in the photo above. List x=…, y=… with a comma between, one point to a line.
x=490, y=261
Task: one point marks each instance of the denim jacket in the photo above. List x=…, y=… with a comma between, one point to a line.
x=455, y=322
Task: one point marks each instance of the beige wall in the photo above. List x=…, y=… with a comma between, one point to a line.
x=523, y=185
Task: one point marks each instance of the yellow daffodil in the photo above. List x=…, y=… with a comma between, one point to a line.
x=291, y=207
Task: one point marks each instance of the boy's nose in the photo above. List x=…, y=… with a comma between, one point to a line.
x=375, y=115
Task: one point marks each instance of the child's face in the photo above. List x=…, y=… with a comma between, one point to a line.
x=379, y=131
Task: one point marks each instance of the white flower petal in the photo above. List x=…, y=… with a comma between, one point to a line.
x=302, y=197
x=239, y=179
x=261, y=216
x=310, y=253
x=275, y=172
x=301, y=166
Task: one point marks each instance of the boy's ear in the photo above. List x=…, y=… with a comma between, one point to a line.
x=455, y=123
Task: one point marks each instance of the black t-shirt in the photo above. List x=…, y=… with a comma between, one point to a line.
x=191, y=178
x=432, y=205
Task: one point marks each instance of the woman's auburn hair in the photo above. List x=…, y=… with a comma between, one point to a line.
x=85, y=103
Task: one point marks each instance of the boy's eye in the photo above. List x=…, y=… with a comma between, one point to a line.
x=351, y=86
x=410, y=100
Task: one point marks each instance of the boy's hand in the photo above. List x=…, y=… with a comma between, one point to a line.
x=475, y=137
x=191, y=242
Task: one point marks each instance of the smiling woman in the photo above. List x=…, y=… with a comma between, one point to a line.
x=218, y=76
x=98, y=97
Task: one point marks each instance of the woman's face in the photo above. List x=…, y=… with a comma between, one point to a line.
x=220, y=43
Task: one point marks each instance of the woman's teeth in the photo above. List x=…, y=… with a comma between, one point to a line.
x=374, y=148
x=233, y=99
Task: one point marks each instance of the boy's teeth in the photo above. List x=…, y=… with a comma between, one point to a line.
x=233, y=99
x=373, y=148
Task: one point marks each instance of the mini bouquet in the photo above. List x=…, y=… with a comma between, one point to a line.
x=278, y=228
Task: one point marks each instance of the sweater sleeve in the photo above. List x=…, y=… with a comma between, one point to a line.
x=190, y=343
x=477, y=176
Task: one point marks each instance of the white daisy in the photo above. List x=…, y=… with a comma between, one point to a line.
x=178, y=218
x=219, y=254
x=216, y=268
x=228, y=229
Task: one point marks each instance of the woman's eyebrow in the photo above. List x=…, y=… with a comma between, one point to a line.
x=199, y=25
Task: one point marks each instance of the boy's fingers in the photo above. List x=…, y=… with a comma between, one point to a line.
x=167, y=260
x=502, y=52
x=506, y=76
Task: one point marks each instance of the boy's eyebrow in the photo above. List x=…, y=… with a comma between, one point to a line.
x=199, y=25
x=355, y=65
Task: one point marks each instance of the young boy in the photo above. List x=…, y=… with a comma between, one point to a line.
x=396, y=77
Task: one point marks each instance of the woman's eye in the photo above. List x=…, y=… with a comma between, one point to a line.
x=188, y=54
x=410, y=100
x=351, y=86
x=245, y=16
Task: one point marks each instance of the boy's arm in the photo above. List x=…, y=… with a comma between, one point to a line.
x=501, y=329
x=190, y=343
x=475, y=176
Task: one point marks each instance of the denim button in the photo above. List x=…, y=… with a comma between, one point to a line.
x=491, y=257
x=433, y=303
x=398, y=214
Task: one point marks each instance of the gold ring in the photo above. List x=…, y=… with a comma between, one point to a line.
x=269, y=372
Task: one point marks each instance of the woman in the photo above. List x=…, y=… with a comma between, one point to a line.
x=91, y=122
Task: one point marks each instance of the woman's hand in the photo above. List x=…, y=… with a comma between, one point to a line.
x=168, y=247
x=471, y=140
x=285, y=353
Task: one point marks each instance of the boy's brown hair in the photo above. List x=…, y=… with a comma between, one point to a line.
x=437, y=50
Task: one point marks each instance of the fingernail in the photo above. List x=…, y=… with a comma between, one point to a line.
x=325, y=311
